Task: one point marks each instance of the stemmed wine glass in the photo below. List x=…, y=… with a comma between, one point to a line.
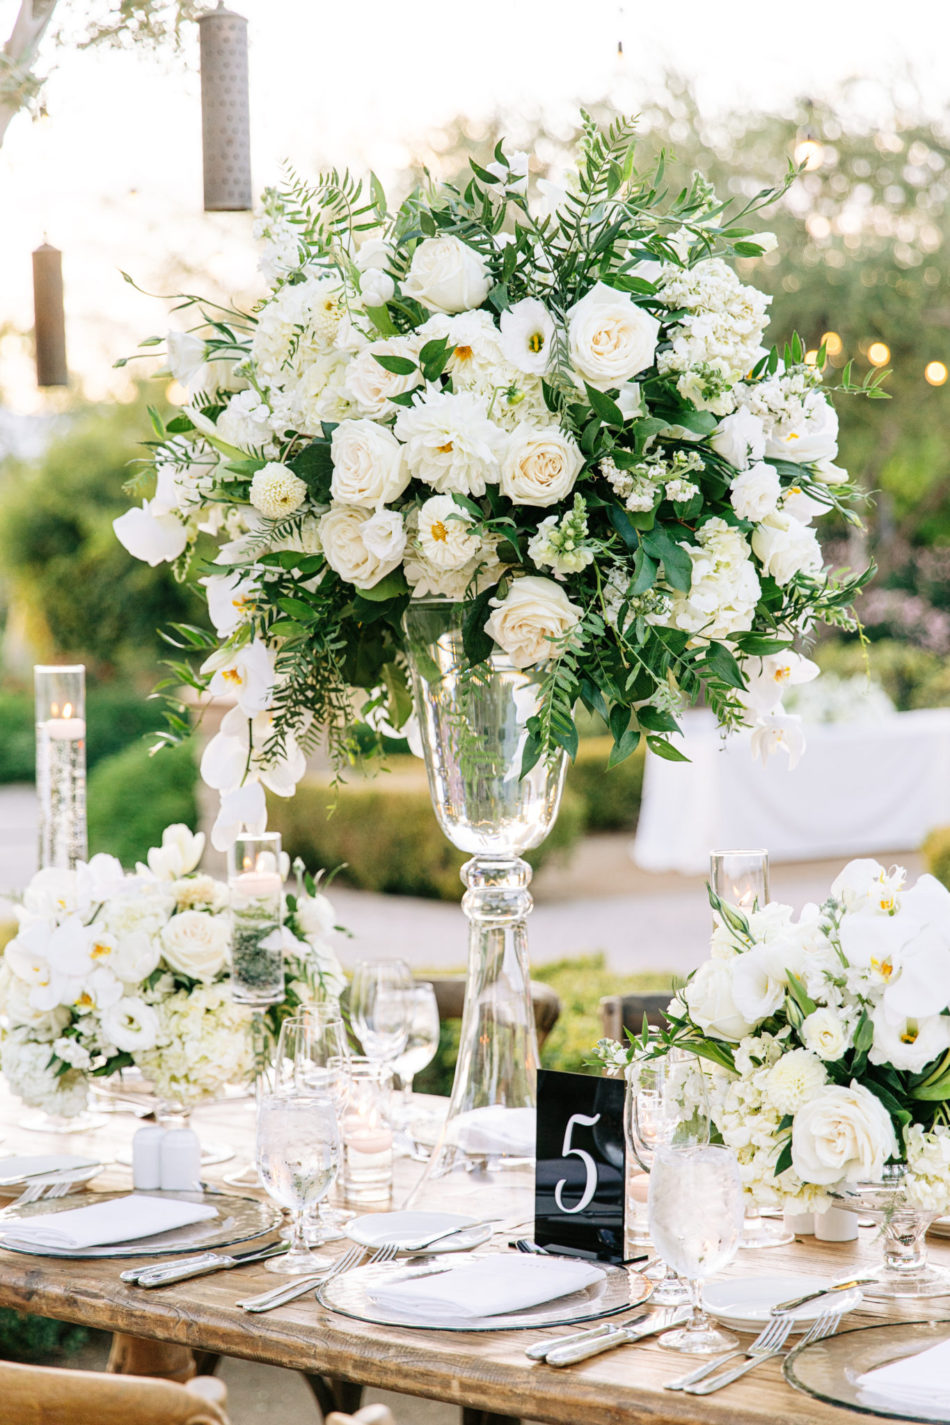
x=379, y=1007
x=298, y=1154
x=421, y=1043
x=312, y=1057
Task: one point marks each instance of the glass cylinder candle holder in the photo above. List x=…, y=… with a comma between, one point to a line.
x=61, y=764
x=367, y=1135
x=740, y=878
x=256, y=892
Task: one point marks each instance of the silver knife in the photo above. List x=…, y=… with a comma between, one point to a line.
x=540, y=1349
x=202, y=1265
x=636, y=1330
x=46, y=1172
x=796, y=1301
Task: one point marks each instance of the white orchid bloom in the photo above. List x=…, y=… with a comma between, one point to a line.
x=245, y=674
x=779, y=731
x=768, y=678
x=244, y=807
x=231, y=600
x=527, y=336
x=155, y=538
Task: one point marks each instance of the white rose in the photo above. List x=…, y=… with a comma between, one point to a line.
x=384, y=536
x=610, y=338
x=786, y=547
x=711, y=1003
x=445, y=536
x=131, y=1025
x=196, y=944
x=368, y=467
x=446, y=275
x=179, y=853
x=739, y=438
x=842, y=1135
x=825, y=1033
x=370, y=386
x=346, y=551
x=532, y=613
x=755, y=493
x=540, y=465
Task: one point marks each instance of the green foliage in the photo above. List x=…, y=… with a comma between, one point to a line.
x=912, y=677
x=936, y=853
x=133, y=796
x=37, y=1338
x=116, y=716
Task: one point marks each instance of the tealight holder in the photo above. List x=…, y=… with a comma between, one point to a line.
x=61, y=764
x=740, y=878
x=256, y=890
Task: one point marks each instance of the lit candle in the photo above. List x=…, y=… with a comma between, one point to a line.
x=740, y=878
x=64, y=727
x=257, y=892
x=61, y=764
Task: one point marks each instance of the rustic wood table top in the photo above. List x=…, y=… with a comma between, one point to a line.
x=487, y=1371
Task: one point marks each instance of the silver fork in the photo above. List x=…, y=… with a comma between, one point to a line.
x=280, y=1295
x=44, y=1190
x=824, y=1325
x=771, y=1338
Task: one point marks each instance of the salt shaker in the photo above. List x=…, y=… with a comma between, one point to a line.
x=180, y=1161
x=146, y=1158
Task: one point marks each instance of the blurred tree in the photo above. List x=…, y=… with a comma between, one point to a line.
x=73, y=590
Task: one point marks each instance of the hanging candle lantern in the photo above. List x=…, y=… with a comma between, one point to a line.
x=225, y=111
x=49, y=317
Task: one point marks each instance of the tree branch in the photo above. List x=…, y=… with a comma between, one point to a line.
x=16, y=61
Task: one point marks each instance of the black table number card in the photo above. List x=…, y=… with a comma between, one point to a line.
x=579, y=1178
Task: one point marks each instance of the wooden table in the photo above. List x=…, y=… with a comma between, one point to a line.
x=482, y=1371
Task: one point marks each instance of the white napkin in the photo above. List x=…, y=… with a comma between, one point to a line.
x=496, y=1129
x=913, y=1380
x=489, y=1287
x=121, y=1219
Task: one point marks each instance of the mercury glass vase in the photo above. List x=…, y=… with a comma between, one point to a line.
x=905, y=1270
x=473, y=728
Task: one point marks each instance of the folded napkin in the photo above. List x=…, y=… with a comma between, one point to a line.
x=489, y=1287
x=920, y=1379
x=496, y=1129
x=121, y=1219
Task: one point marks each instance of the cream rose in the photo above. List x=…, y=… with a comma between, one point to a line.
x=342, y=533
x=842, y=1135
x=446, y=275
x=368, y=465
x=755, y=492
x=196, y=944
x=711, y=1004
x=370, y=386
x=825, y=1033
x=532, y=613
x=610, y=338
x=540, y=465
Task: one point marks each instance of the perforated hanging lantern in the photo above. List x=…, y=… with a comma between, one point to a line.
x=225, y=112
x=49, y=317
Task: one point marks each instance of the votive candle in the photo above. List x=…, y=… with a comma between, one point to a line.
x=61, y=763
x=256, y=894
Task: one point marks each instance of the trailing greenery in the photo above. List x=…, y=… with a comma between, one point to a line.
x=133, y=796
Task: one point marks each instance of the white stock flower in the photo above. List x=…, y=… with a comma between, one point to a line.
x=342, y=533
x=371, y=387
x=446, y=275
x=843, y=1135
x=534, y=612
x=610, y=338
x=540, y=465
x=779, y=732
x=527, y=335
x=740, y=439
x=724, y=587
x=754, y=493
x=826, y=1033
x=195, y=943
x=368, y=467
x=769, y=676
x=451, y=444
x=130, y=1024
x=711, y=1003
x=444, y=533
x=786, y=547
x=908, y=1044
x=276, y=491
x=245, y=674
x=794, y=1080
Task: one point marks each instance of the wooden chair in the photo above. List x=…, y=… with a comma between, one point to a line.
x=46, y=1395
x=450, y=997
x=621, y=1012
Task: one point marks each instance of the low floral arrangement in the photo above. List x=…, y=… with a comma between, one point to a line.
x=551, y=405
x=110, y=970
x=830, y=1039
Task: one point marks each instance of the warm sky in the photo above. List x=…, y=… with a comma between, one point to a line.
x=113, y=177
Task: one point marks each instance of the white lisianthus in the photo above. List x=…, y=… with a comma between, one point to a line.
x=534, y=612
x=371, y=387
x=446, y=275
x=778, y=732
x=245, y=674
x=451, y=444
x=346, y=550
x=130, y=1024
x=315, y=915
x=908, y=1044
x=540, y=465
x=610, y=338
x=711, y=1002
x=179, y=853
x=384, y=536
x=786, y=547
x=843, y=1135
x=276, y=491
x=136, y=955
x=755, y=492
x=808, y=433
x=794, y=1080
x=186, y=355
x=758, y=982
x=444, y=533
x=368, y=467
x=376, y=287
x=740, y=439
x=374, y=252
x=826, y=1033
x=769, y=676
x=196, y=944
x=527, y=335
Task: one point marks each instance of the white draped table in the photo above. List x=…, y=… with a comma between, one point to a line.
x=859, y=789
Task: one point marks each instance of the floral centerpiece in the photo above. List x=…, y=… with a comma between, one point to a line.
x=829, y=1037
x=110, y=970
x=551, y=406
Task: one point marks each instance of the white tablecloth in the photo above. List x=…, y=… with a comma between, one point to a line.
x=860, y=788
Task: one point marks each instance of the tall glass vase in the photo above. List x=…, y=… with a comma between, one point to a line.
x=472, y=724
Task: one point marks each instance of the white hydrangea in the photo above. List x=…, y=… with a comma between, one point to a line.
x=203, y=1042
x=720, y=338
x=244, y=422
x=724, y=589
x=928, y=1159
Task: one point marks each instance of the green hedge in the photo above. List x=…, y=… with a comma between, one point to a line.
x=936, y=853
x=132, y=797
x=116, y=717
x=912, y=677
x=37, y=1338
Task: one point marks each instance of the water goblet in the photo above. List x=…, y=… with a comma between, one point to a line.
x=421, y=1045
x=695, y=1208
x=379, y=1007
x=313, y=1057
x=298, y=1154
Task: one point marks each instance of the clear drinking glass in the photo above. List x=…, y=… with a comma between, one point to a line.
x=313, y=1057
x=298, y=1155
x=696, y=1208
x=421, y=1044
x=379, y=1007
x=367, y=1135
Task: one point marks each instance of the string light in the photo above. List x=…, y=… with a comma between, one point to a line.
x=935, y=373
x=879, y=353
x=832, y=343
x=811, y=357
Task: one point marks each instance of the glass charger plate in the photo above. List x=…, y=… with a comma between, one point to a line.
x=829, y=1369
x=239, y=1219
x=618, y=1291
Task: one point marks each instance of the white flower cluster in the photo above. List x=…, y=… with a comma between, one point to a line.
x=661, y=473
x=724, y=588
x=106, y=965
x=719, y=340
